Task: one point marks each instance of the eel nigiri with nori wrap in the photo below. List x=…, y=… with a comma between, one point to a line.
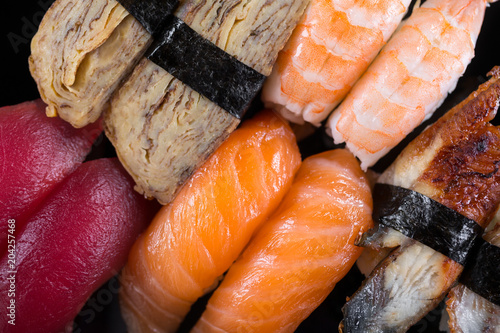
x=454, y=163
x=162, y=128
x=468, y=311
x=80, y=54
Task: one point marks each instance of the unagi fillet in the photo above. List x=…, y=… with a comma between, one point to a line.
x=80, y=54
x=454, y=162
x=470, y=312
x=161, y=128
x=300, y=253
x=195, y=239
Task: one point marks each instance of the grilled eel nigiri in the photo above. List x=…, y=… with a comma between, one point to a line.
x=454, y=162
x=81, y=52
x=161, y=128
x=192, y=241
x=300, y=253
x=470, y=312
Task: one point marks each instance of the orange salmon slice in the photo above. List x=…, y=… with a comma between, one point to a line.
x=195, y=239
x=299, y=254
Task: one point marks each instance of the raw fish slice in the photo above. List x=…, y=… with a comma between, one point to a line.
x=81, y=52
x=301, y=252
x=78, y=239
x=38, y=153
x=193, y=241
x=454, y=162
x=470, y=312
x=163, y=129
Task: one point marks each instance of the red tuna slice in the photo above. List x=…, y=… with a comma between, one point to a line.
x=36, y=153
x=78, y=239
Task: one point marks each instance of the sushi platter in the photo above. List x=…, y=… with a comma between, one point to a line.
x=138, y=213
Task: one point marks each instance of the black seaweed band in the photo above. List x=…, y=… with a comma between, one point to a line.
x=425, y=220
x=482, y=272
x=150, y=13
x=204, y=67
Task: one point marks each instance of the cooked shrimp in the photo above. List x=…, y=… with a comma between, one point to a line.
x=409, y=79
x=328, y=51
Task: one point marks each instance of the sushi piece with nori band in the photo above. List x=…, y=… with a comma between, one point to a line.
x=425, y=220
x=453, y=162
x=162, y=128
x=83, y=50
x=81, y=53
x=150, y=13
x=204, y=67
x=473, y=305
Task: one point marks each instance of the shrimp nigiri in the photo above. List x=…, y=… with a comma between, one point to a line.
x=453, y=162
x=328, y=51
x=194, y=240
x=470, y=312
x=301, y=252
x=409, y=79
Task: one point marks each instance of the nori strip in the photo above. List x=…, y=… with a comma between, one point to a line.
x=150, y=13
x=425, y=220
x=482, y=272
x=204, y=67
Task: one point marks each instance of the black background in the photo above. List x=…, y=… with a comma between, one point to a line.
x=18, y=23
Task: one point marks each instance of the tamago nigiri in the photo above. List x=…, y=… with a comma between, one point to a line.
x=409, y=79
x=81, y=53
x=301, y=252
x=328, y=51
x=161, y=127
x=195, y=239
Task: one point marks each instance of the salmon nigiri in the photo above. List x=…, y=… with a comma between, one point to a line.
x=328, y=51
x=302, y=251
x=195, y=239
x=409, y=79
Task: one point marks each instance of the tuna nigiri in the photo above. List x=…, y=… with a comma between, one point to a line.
x=454, y=162
x=194, y=240
x=38, y=154
x=75, y=240
x=301, y=252
x=409, y=79
x=328, y=51
x=468, y=311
